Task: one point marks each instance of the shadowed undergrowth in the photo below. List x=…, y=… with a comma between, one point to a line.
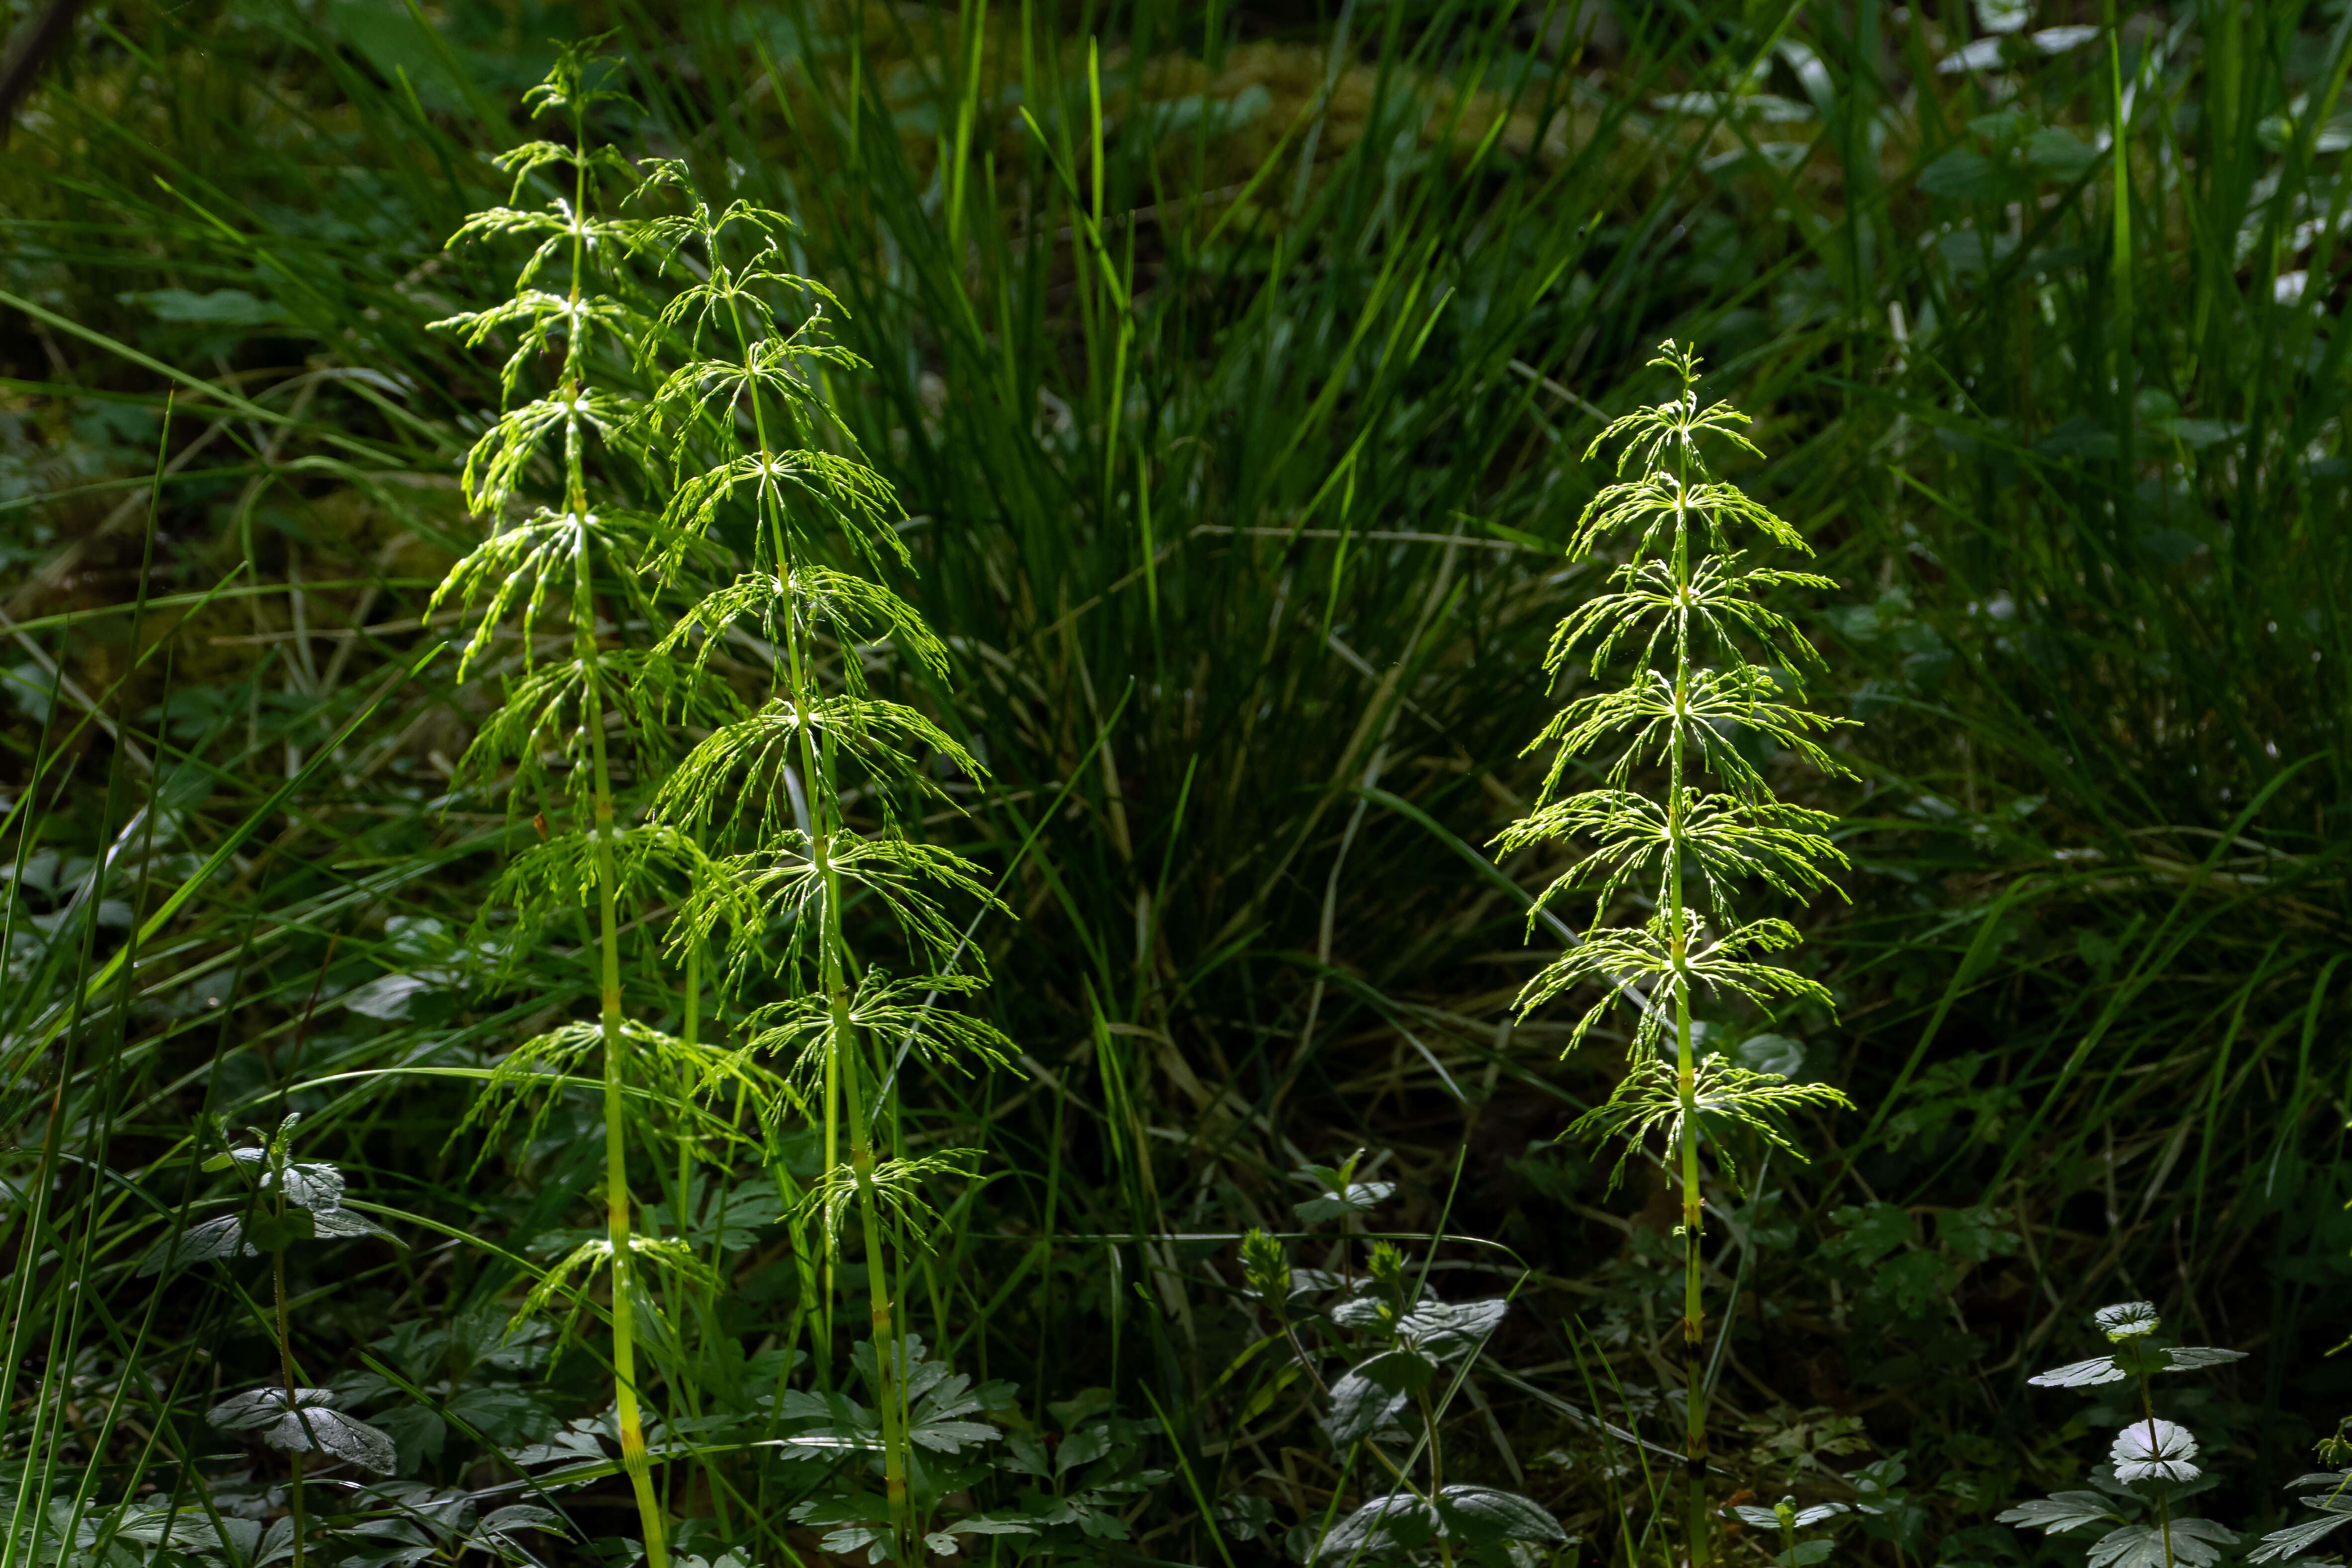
x=1233, y=385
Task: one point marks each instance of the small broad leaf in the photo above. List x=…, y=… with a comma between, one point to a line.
x=1484, y=1517
x=980, y=1524
x=1397, y=1522
x=1245, y=1516
x=1446, y=1327
x=2059, y=1512
x=2297, y=1538
x=209, y=1242
x=343, y=1224
x=388, y=996
x=1398, y=1371
x=1356, y=1197
x=1082, y=1446
x=2190, y=1357
x=262, y=1406
x=2154, y=1450
x=2079, y=1373
x=2320, y=1478
x=2127, y=1319
x=278, y=1542
x=953, y=1437
x=314, y=1184
x=571, y=1448
x=277, y=1232
x=1761, y=1518
x=520, y=1516
x=332, y=1432
x=1025, y=1455
x=1819, y=1513
x=2196, y=1544
x=309, y=1424
x=219, y=308
x=1360, y=1407
x=1773, y=1053
x=1364, y=1312
x=1807, y=1553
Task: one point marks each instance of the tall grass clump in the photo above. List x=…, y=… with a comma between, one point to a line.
x=1711, y=691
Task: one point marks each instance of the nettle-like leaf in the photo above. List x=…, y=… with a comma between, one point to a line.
x=2079, y=1373
x=2127, y=1319
x=2154, y=1450
x=209, y=1242
x=308, y=1423
x=1370, y=1395
x=1446, y=1329
x=1344, y=1198
x=2194, y=1543
x=1402, y=1522
x=2295, y=1540
x=2062, y=1512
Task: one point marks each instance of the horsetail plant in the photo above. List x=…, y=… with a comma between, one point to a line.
x=773, y=780
x=559, y=706
x=1712, y=681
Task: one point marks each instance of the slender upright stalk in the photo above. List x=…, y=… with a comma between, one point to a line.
x=2163, y=1502
x=1701, y=1536
x=842, y=1089
x=617, y=1217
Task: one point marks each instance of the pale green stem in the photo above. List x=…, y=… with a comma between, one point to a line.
x=841, y=1067
x=1685, y=1065
x=617, y=1218
x=2163, y=1502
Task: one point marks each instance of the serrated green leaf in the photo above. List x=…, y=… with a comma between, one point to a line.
x=2079, y=1373
x=2059, y=1512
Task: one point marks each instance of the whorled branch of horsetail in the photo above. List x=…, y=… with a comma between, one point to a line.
x=493, y=470
x=804, y=735
x=1669, y=604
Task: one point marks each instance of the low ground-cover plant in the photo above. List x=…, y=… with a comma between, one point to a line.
x=1391, y=1358
x=2151, y=1470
